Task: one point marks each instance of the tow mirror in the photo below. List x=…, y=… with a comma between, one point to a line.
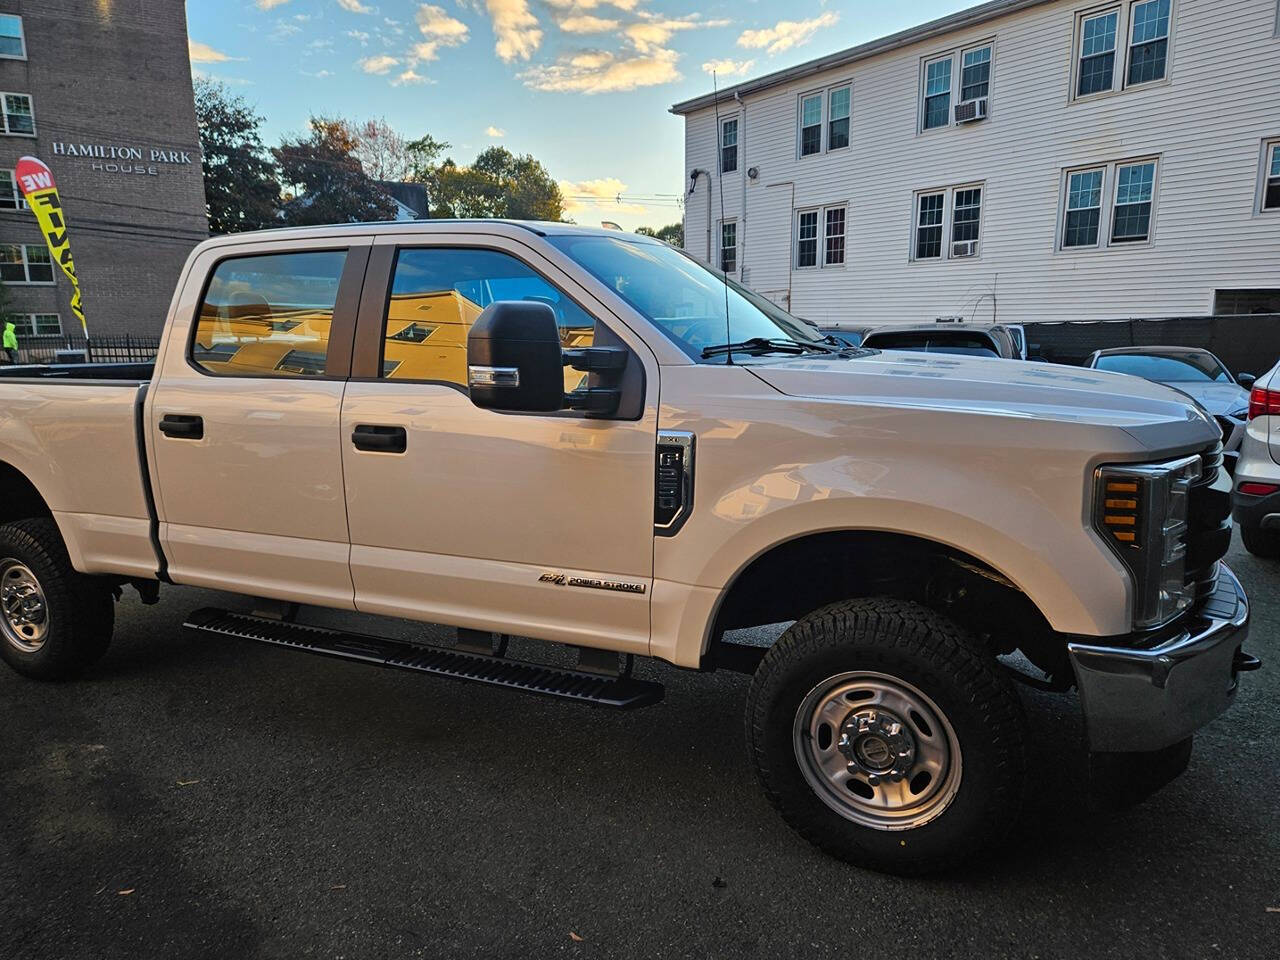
x=514, y=360
x=1245, y=379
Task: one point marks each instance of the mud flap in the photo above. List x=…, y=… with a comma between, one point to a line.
x=1118, y=781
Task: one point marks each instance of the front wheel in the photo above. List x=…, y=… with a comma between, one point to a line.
x=885, y=736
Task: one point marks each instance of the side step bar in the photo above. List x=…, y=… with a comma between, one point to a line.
x=622, y=692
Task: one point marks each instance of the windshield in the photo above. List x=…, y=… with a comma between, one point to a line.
x=1167, y=368
x=683, y=297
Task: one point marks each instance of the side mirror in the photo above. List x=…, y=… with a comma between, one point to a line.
x=514, y=360
x=1245, y=379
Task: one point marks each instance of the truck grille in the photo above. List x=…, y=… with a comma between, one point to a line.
x=1208, y=525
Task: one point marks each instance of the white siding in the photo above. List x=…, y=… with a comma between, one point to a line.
x=1206, y=125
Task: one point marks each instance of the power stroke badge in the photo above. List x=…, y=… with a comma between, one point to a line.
x=620, y=586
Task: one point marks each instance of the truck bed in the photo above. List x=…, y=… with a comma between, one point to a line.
x=131, y=372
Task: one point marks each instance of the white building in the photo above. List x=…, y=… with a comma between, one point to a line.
x=1023, y=159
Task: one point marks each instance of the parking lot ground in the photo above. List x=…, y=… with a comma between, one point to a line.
x=196, y=798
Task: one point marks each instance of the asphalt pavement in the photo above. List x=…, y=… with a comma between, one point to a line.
x=202, y=798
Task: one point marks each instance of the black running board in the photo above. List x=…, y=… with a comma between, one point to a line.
x=620, y=692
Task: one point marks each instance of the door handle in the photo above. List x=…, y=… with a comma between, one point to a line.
x=367, y=436
x=182, y=426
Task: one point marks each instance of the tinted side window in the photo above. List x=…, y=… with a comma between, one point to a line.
x=437, y=294
x=269, y=316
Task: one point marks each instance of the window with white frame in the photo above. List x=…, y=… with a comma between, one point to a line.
x=1109, y=205
x=1271, y=176
x=937, y=93
x=947, y=223
x=18, y=116
x=839, y=101
x=1125, y=45
x=729, y=145
x=11, y=197
x=25, y=263
x=13, y=46
x=807, y=238
x=37, y=324
x=729, y=245
x=833, y=254
x=966, y=71
x=810, y=124
x=975, y=73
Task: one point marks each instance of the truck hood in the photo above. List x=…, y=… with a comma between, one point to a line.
x=1014, y=388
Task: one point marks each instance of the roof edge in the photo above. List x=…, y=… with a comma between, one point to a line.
x=960, y=20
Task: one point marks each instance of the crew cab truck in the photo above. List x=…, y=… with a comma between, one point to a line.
x=626, y=456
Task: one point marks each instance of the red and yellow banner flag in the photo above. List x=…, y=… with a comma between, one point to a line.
x=35, y=180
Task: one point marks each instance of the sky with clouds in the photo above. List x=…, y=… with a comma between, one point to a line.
x=583, y=85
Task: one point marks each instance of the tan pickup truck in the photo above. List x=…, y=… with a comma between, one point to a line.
x=587, y=438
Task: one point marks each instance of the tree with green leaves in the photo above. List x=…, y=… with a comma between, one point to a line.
x=498, y=184
x=326, y=182
x=240, y=187
x=672, y=233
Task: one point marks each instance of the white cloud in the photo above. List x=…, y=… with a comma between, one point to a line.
x=603, y=72
x=602, y=195
x=203, y=53
x=440, y=30
x=354, y=6
x=786, y=34
x=378, y=65
x=270, y=4
x=728, y=68
x=585, y=23
x=650, y=33
x=409, y=76
x=515, y=27
x=496, y=132
x=359, y=35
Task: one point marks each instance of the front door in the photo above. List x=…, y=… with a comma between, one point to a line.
x=243, y=422
x=533, y=525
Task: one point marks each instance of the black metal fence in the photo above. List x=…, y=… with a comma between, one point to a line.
x=1248, y=343
x=120, y=348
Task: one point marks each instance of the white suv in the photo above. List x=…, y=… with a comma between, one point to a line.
x=1255, y=501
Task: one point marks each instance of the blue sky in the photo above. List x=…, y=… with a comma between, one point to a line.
x=583, y=85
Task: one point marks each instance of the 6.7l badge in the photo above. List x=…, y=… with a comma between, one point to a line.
x=620, y=586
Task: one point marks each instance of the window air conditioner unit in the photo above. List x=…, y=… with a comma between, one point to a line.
x=971, y=111
x=964, y=248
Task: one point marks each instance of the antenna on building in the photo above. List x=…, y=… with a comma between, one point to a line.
x=728, y=330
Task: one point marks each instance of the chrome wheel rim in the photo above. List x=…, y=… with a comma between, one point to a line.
x=24, y=612
x=877, y=750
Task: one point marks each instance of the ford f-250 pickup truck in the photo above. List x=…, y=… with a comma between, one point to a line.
x=587, y=438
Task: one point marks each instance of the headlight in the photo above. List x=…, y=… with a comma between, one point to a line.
x=1141, y=511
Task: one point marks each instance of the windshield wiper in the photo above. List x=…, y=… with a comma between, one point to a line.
x=757, y=346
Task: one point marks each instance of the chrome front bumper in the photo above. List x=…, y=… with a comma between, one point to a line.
x=1138, y=698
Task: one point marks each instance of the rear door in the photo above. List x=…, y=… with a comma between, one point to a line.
x=528, y=524
x=243, y=421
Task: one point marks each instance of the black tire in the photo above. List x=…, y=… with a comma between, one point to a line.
x=80, y=611
x=903, y=641
x=1261, y=543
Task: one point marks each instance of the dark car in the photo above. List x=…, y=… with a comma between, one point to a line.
x=1192, y=370
x=970, y=339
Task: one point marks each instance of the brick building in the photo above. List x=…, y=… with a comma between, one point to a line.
x=100, y=90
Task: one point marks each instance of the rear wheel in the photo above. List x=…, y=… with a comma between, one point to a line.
x=1259, y=542
x=885, y=736
x=54, y=622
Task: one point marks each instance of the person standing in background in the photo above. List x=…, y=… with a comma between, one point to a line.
x=11, y=341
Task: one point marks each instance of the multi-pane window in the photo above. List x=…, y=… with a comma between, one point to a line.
x=929, y=207
x=12, y=44
x=25, y=263
x=835, y=221
x=1149, y=41
x=11, y=197
x=1271, y=179
x=937, y=93
x=1084, y=208
x=1097, y=53
x=1135, y=186
x=729, y=246
x=18, y=116
x=729, y=145
x=807, y=238
x=269, y=316
x=811, y=124
x=838, y=118
x=966, y=215
x=37, y=324
x=975, y=74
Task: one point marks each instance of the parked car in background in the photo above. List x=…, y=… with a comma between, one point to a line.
x=1255, y=499
x=1194, y=371
x=845, y=336
x=969, y=339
